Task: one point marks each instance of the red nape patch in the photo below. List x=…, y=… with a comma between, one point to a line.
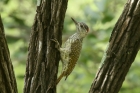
x=87, y=29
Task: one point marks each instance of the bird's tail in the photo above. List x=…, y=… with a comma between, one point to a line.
x=59, y=78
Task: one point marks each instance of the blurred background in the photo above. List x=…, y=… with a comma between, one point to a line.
x=99, y=15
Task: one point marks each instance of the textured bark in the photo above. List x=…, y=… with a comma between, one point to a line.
x=43, y=58
x=7, y=76
x=123, y=47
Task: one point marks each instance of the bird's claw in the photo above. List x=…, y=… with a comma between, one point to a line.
x=57, y=44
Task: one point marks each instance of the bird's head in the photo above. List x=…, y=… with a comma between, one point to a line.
x=82, y=28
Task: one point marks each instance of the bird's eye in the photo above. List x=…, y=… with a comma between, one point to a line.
x=81, y=25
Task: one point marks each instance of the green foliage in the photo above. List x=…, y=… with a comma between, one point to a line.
x=100, y=15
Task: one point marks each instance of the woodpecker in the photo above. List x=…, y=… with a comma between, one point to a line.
x=71, y=49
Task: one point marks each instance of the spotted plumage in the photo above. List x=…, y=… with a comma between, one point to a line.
x=71, y=49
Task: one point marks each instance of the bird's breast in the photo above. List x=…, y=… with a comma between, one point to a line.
x=74, y=55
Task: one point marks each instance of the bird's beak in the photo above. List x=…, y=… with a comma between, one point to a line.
x=74, y=21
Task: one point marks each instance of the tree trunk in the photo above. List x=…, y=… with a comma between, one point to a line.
x=123, y=47
x=7, y=76
x=43, y=58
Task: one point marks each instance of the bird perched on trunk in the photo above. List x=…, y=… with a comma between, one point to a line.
x=71, y=50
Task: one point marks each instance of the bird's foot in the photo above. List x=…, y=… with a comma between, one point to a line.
x=57, y=45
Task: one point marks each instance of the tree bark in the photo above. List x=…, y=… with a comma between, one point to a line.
x=43, y=58
x=123, y=47
x=7, y=76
